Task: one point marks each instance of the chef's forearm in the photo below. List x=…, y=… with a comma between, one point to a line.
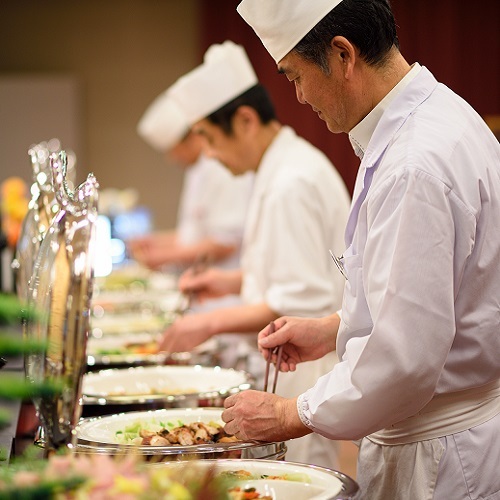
x=248, y=318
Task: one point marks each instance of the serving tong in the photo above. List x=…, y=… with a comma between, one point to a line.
x=278, y=351
x=200, y=264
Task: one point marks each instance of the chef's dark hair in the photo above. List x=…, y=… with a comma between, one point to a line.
x=367, y=24
x=256, y=97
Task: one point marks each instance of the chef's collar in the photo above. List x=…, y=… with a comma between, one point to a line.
x=361, y=134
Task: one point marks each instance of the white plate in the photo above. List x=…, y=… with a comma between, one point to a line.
x=136, y=277
x=119, y=324
x=113, y=349
x=103, y=430
x=118, y=354
x=138, y=300
x=279, y=489
x=117, y=344
x=148, y=383
x=319, y=483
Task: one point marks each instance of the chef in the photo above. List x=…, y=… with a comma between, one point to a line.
x=297, y=213
x=213, y=203
x=419, y=330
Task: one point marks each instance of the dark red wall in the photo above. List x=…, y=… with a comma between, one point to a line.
x=458, y=41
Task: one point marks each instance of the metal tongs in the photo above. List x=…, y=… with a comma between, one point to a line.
x=200, y=264
x=278, y=350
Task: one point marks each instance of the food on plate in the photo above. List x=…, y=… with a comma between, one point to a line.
x=209, y=384
x=151, y=391
x=135, y=344
x=250, y=492
x=130, y=348
x=238, y=493
x=173, y=434
x=127, y=323
x=242, y=474
x=120, y=281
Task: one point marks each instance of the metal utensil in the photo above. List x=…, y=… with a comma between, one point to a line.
x=199, y=265
x=278, y=351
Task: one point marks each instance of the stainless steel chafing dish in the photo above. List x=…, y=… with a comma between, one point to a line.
x=275, y=479
x=114, y=351
x=99, y=436
x=129, y=336
x=248, y=450
x=147, y=387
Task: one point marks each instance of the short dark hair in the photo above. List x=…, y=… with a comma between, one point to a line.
x=367, y=24
x=256, y=97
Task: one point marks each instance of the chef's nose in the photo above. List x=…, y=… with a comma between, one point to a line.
x=300, y=95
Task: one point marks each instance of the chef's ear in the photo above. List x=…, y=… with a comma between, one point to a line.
x=343, y=55
x=245, y=119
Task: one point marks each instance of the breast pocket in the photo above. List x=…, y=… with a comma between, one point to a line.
x=355, y=313
x=353, y=265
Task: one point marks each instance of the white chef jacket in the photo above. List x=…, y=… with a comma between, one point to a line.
x=298, y=211
x=421, y=309
x=214, y=204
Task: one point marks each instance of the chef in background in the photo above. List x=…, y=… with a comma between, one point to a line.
x=211, y=217
x=297, y=212
x=213, y=203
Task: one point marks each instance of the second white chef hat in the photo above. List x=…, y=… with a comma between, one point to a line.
x=225, y=74
x=163, y=124
x=281, y=24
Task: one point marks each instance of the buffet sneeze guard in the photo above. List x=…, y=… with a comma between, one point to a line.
x=59, y=295
x=42, y=209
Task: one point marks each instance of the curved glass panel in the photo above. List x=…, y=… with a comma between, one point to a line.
x=59, y=294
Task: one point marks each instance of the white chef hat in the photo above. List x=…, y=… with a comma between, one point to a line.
x=163, y=124
x=225, y=74
x=281, y=24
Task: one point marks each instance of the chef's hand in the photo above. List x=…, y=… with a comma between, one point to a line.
x=187, y=332
x=211, y=283
x=152, y=257
x=152, y=250
x=261, y=416
x=303, y=339
x=139, y=248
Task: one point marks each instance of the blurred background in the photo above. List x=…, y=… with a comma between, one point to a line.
x=84, y=72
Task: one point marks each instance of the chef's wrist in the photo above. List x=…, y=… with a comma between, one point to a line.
x=330, y=327
x=212, y=323
x=290, y=419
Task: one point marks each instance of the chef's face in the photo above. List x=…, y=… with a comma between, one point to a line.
x=325, y=93
x=230, y=150
x=186, y=152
